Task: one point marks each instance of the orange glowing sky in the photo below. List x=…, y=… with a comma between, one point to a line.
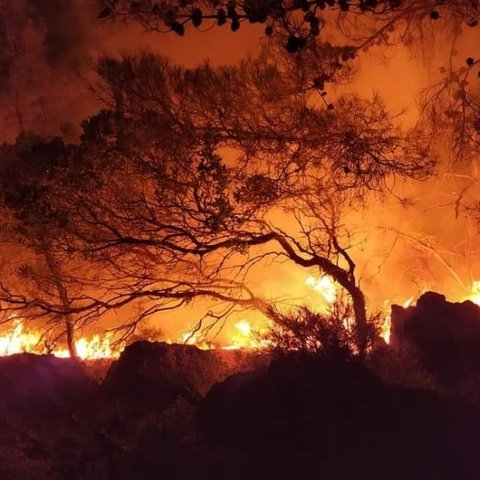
x=47, y=93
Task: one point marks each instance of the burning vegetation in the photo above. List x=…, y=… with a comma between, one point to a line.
x=305, y=329
x=248, y=251
x=19, y=340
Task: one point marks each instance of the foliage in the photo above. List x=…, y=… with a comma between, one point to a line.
x=177, y=190
x=31, y=225
x=298, y=22
x=450, y=107
x=304, y=333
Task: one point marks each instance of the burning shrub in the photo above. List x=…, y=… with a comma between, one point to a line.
x=305, y=333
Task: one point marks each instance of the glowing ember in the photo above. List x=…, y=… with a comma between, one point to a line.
x=20, y=341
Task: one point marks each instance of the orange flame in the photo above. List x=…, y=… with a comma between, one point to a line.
x=325, y=286
x=386, y=326
x=475, y=293
x=17, y=340
x=328, y=289
x=245, y=337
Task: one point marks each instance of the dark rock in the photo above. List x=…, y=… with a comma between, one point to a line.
x=30, y=383
x=444, y=335
x=305, y=419
x=157, y=373
x=48, y=407
x=153, y=373
x=261, y=401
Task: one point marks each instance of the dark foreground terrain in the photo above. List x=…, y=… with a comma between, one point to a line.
x=156, y=415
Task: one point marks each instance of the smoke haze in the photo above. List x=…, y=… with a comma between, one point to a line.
x=48, y=48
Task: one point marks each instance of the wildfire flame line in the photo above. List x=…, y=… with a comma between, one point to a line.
x=19, y=340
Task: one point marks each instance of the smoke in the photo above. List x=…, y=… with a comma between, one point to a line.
x=48, y=49
x=66, y=30
x=46, y=46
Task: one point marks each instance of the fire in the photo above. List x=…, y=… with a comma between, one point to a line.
x=408, y=302
x=244, y=337
x=188, y=338
x=244, y=328
x=328, y=289
x=386, y=326
x=18, y=340
x=92, y=349
x=475, y=293
x=324, y=285
x=192, y=338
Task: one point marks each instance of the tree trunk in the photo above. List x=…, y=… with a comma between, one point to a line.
x=72, y=348
x=345, y=278
x=62, y=293
x=361, y=322
x=348, y=282
x=359, y=308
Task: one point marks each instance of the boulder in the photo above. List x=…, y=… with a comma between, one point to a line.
x=47, y=408
x=250, y=407
x=320, y=419
x=445, y=336
x=158, y=373
x=31, y=382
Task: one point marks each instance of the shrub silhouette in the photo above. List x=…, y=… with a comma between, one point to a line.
x=307, y=334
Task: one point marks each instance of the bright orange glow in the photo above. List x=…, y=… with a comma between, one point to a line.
x=325, y=286
x=244, y=328
x=192, y=338
x=408, y=302
x=475, y=293
x=386, y=326
x=18, y=340
x=244, y=337
x=328, y=289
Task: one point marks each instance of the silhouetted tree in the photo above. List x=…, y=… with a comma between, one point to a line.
x=451, y=114
x=29, y=228
x=192, y=177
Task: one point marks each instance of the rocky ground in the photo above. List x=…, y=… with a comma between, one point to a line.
x=174, y=412
x=61, y=419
